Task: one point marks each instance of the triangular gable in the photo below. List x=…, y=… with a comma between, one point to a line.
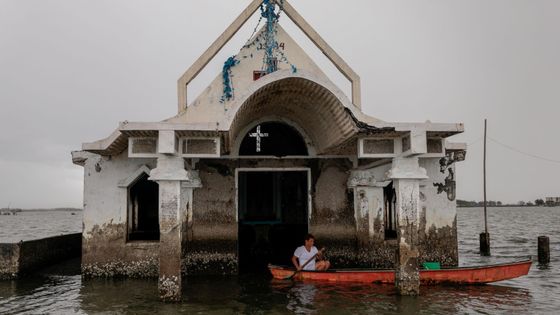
x=209, y=106
x=223, y=39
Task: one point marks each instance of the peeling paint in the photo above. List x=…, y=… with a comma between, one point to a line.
x=446, y=165
x=448, y=186
x=407, y=277
x=105, y=253
x=439, y=244
x=354, y=236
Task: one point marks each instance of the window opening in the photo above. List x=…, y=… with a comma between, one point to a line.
x=274, y=139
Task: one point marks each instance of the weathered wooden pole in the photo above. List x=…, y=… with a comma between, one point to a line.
x=484, y=244
x=544, y=250
x=485, y=236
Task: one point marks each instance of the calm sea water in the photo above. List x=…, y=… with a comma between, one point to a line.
x=35, y=224
x=514, y=231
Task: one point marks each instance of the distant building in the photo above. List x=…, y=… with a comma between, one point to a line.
x=552, y=200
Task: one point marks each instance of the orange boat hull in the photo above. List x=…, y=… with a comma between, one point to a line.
x=461, y=275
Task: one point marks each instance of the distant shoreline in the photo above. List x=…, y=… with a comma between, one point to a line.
x=42, y=209
x=508, y=206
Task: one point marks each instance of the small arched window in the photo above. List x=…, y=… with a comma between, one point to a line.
x=273, y=139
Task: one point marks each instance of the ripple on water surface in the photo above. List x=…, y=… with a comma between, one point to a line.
x=61, y=290
x=29, y=225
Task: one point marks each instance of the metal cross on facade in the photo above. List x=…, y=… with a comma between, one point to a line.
x=258, y=135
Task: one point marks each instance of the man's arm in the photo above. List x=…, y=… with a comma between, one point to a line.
x=295, y=261
x=320, y=254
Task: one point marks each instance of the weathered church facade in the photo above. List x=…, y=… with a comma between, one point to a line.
x=269, y=151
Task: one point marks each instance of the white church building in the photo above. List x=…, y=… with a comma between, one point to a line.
x=271, y=150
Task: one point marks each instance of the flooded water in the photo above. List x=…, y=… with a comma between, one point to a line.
x=514, y=231
x=34, y=224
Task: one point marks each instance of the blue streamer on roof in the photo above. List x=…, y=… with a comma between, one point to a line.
x=272, y=55
x=226, y=75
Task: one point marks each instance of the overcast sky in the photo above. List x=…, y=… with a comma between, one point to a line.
x=71, y=70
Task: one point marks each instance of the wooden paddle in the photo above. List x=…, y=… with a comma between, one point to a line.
x=305, y=264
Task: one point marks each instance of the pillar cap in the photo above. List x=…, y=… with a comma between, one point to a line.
x=364, y=178
x=172, y=168
x=194, y=180
x=407, y=168
x=167, y=175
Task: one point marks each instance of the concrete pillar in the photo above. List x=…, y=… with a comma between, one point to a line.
x=170, y=282
x=407, y=174
x=175, y=199
x=368, y=205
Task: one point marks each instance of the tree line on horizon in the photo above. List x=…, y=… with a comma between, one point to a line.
x=492, y=203
x=15, y=211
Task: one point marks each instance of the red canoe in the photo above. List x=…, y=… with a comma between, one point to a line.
x=461, y=275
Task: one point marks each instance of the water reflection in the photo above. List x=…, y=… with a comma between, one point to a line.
x=42, y=295
x=118, y=295
x=12, y=288
x=253, y=295
x=309, y=298
x=301, y=298
x=60, y=290
x=483, y=299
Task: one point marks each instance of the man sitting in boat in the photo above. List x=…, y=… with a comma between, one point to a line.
x=307, y=257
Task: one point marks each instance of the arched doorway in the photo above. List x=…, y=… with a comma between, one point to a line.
x=273, y=203
x=143, y=207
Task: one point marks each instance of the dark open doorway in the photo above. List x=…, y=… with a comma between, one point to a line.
x=390, y=215
x=143, y=210
x=273, y=214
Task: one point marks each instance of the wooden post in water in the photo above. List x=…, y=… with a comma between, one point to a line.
x=544, y=250
x=484, y=244
x=485, y=236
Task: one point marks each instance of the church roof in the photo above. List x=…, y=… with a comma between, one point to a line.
x=294, y=15
x=298, y=92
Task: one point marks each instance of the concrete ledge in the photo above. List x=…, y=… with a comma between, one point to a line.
x=9, y=261
x=17, y=259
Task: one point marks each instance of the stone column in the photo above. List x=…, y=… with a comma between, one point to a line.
x=186, y=219
x=174, y=202
x=368, y=205
x=407, y=174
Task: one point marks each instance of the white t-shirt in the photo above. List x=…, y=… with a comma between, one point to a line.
x=303, y=256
